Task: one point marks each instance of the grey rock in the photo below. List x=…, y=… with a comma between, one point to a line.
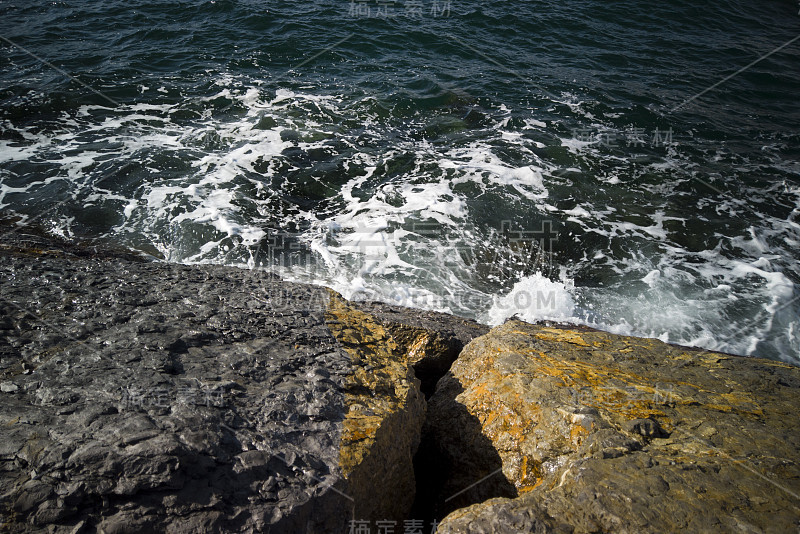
x=148, y=397
x=142, y=396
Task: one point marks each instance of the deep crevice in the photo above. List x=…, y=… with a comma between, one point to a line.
x=429, y=467
x=453, y=453
x=429, y=482
x=456, y=466
x=435, y=463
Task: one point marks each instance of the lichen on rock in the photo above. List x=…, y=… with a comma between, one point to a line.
x=141, y=396
x=383, y=421
x=600, y=432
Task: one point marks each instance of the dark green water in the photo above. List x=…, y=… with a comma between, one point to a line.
x=550, y=159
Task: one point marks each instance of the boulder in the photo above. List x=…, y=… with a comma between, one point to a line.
x=550, y=428
x=138, y=396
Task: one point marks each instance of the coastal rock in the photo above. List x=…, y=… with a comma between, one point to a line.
x=386, y=409
x=141, y=396
x=138, y=396
x=565, y=429
x=431, y=340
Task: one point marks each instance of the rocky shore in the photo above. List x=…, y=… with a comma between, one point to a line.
x=138, y=396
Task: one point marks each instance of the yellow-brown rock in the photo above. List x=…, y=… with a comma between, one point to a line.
x=431, y=340
x=383, y=421
x=555, y=429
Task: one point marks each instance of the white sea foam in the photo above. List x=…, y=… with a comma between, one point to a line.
x=534, y=298
x=222, y=188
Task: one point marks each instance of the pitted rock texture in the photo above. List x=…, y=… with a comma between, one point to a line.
x=152, y=397
x=588, y=431
x=149, y=397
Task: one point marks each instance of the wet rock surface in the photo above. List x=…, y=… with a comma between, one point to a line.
x=552, y=429
x=141, y=396
x=147, y=397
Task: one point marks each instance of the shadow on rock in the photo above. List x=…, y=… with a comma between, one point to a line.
x=456, y=465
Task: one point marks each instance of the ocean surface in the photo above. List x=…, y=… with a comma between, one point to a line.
x=570, y=160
